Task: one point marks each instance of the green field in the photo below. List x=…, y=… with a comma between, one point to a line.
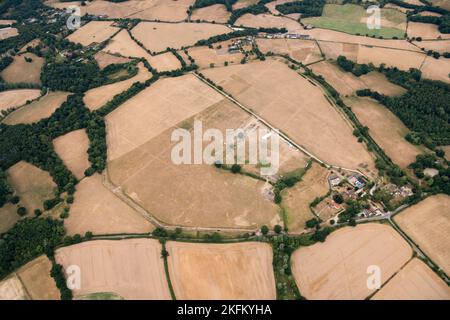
x=350, y=18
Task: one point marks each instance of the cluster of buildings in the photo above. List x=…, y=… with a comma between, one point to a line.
x=239, y=45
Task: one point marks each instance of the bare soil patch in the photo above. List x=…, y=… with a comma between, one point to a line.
x=17, y=98
x=337, y=268
x=158, y=37
x=31, y=184
x=131, y=268
x=98, y=97
x=93, y=32
x=98, y=210
x=21, y=71
x=296, y=200
x=386, y=129
x=221, y=271
x=295, y=106
x=72, y=149
x=428, y=224
x=305, y=51
x=37, y=110
x=416, y=281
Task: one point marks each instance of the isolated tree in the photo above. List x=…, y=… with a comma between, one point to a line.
x=264, y=230
x=277, y=229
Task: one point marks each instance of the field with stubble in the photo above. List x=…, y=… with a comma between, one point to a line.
x=428, y=224
x=221, y=271
x=17, y=98
x=416, y=281
x=305, y=51
x=157, y=37
x=93, y=32
x=216, y=13
x=132, y=269
x=22, y=71
x=296, y=107
x=337, y=268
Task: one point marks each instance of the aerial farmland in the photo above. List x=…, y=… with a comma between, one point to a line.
x=224, y=150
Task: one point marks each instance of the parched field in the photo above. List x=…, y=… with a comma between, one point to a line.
x=133, y=268
x=425, y=31
x=8, y=217
x=386, y=129
x=428, y=224
x=436, y=69
x=17, y=98
x=295, y=106
x=98, y=210
x=158, y=37
x=296, y=200
x=437, y=45
x=447, y=152
x=305, y=51
x=105, y=59
x=164, y=62
x=401, y=59
x=332, y=50
x=268, y=21
x=98, y=97
x=352, y=19
x=21, y=71
x=337, y=268
x=140, y=161
x=378, y=82
x=93, y=32
x=9, y=32
x=221, y=271
x=37, y=110
x=416, y=281
x=166, y=10
x=216, y=13
x=441, y=3
x=36, y=279
x=271, y=5
x=31, y=184
x=244, y=3
x=218, y=55
x=72, y=149
x=30, y=282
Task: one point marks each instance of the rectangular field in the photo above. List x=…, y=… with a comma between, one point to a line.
x=401, y=59
x=305, y=51
x=132, y=269
x=157, y=37
x=428, y=224
x=221, y=271
x=337, y=269
x=218, y=55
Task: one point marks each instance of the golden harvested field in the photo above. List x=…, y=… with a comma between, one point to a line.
x=337, y=268
x=164, y=62
x=17, y=98
x=430, y=14
x=305, y=51
x=295, y=106
x=36, y=279
x=98, y=210
x=189, y=195
x=7, y=22
x=378, y=82
x=428, y=224
x=166, y=10
x=296, y=200
x=216, y=13
x=271, y=5
x=332, y=50
x=436, y=69
x=244, y=3
x=204, y=56
x=21, y=71
x=93, y=32
x=268, y=21
x=401, y=59
x=441, y=3
x=38, y=109
x=416, y=281
x=132, y=268
x=157, y=37
x=425, y=31
x=31, y=184
x=8, y=217
x=240, y=271
x=105, y=59
x=98, y=97
x=72, y=149
x=386, y=129
x=447, y=152
x=9, y=32
x=12, y=289
x=437, y=45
